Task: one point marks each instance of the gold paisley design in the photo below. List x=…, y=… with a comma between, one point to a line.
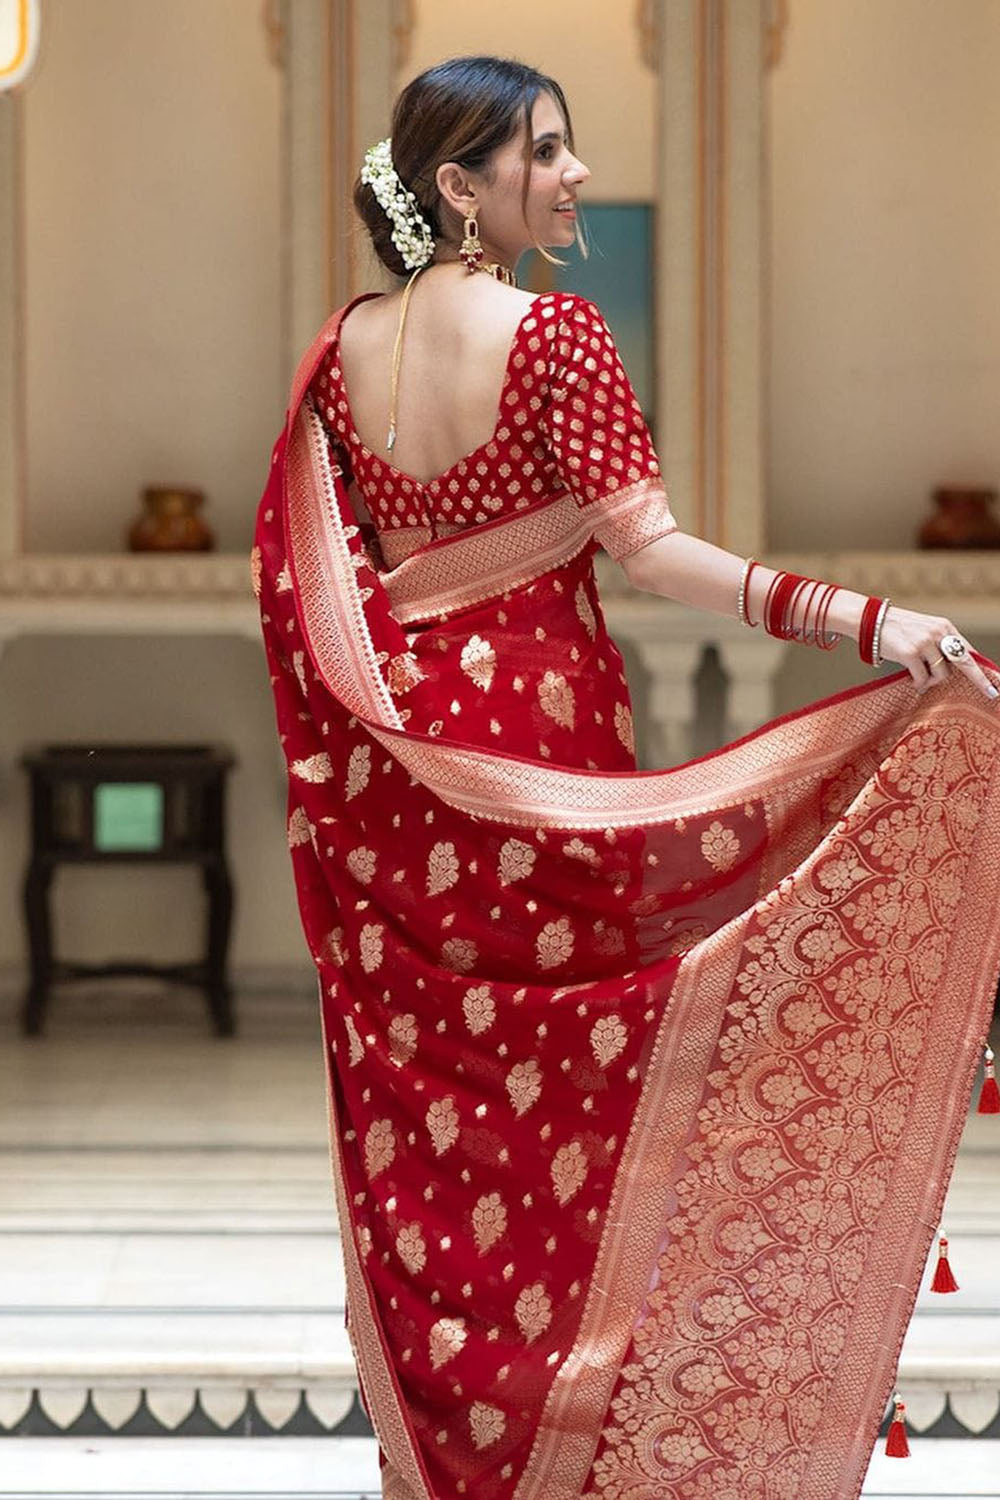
x=569, y=1171
x=524, y=1085
x=479, y=1009
x=359, y=768
x=442, y=1122
x=479, y=661
x=486, y=1423
x=533, y=1311
x=447, y=1338
x=516, y=861
x=554, y=944
x=442, y=869
x=380, y=1147
x=489, y=1221
x=720, y=846
x=402, y=1039
x=370, y=946
x=556, y=698
x=607, y=1039
x=411, y=1248
x=313, y=768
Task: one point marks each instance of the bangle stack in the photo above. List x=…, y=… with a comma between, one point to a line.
x=786, y=593
x=870, y=632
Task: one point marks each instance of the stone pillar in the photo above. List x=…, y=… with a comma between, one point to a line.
x=751, y=663
x=11, y=274
x=709, y=260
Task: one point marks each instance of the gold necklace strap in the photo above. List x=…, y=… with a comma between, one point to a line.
x=397, y=350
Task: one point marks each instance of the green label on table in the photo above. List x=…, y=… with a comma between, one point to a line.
x=128, y=815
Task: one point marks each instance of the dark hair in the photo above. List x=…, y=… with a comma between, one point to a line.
x=460, y=110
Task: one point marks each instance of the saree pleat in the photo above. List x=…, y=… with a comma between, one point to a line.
x=645, y=1087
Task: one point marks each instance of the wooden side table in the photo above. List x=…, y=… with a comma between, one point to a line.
x=133, y=804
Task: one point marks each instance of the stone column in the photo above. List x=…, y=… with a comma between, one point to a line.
x=709, y=260
x=11, y=354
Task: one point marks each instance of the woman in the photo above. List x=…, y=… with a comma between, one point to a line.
x=645, y=1088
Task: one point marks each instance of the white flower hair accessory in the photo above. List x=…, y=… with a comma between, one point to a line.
x=411, y=233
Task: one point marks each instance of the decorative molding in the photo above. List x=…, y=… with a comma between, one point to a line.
x=647, y=22
x=112, y=576
x=274, y=21
x=774, y=38
x=404, y=19
x=237, y=1409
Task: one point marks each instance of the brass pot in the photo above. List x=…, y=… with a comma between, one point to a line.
x=962, y=519
x=170, y=522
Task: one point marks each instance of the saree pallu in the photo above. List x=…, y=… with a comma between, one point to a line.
x=645, y=1087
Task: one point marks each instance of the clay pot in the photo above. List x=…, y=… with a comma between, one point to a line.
x=962, y=519
x=170, y=522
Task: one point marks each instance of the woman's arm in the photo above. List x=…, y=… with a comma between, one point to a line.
x=683, y=567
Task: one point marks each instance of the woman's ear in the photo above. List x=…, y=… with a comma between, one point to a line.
x=455, y=188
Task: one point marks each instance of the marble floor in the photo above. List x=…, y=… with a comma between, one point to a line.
x=170, y=1277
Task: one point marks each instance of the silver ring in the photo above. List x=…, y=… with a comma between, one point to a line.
x=953, y=647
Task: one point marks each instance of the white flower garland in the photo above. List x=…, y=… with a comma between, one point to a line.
x=411, y=233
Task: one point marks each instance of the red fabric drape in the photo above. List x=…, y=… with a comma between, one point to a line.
x=645, y=1088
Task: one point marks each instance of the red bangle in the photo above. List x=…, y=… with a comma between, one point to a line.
x=866, y=633
x=815, y=585
x=775, y=621
x=823, y=641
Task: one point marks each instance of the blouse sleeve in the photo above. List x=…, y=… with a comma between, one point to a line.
x=598, y=436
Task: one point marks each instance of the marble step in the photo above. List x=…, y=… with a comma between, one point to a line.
x=316, y=1469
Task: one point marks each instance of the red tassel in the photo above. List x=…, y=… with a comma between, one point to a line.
x=896, y=1445
x=944, y=1280
x=989, y=1098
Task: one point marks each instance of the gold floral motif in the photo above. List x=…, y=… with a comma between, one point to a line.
x=447, y=1338
x=333, y=948
x=380, y=1147
x=459, y=954
x=402, y=1039
x=554, y=944
x=411, y=1248
x=299, y=667
x=533, y=1311
x=442, y=1122
x=556, y=698
x=624, y=728
x=300, y=830
x=403, y=673
x=569, y=1171
x=607, y=1039
x=584, y=611
x=313, y=768
x=486, y=1423
x=524, y=1085
x=478, y=661
x=720, y=846
x=370, y=944
x=479, y=1009
x=442, y=869
x=359, y=768
x=355, y=1046
x=489, y=1221
x=586, y=853
x=361, y=863
x=517, y=859
x=255, y=570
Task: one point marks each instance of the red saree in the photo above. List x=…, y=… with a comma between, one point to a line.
x=645, y=1088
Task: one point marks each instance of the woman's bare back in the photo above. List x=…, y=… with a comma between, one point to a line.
x=456, y=342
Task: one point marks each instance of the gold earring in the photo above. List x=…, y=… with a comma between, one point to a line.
x=471, y=252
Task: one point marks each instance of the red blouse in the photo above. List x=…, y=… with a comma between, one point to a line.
x=568, y=419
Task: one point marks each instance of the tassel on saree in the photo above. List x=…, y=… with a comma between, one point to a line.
x=944, y=1280
x=989, y=1098
x=896, y=1445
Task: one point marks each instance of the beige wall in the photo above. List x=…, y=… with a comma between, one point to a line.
x=885, y=320
x=590, y=47
x=153, y=272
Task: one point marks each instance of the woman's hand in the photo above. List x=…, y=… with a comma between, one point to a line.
x=914, y=640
